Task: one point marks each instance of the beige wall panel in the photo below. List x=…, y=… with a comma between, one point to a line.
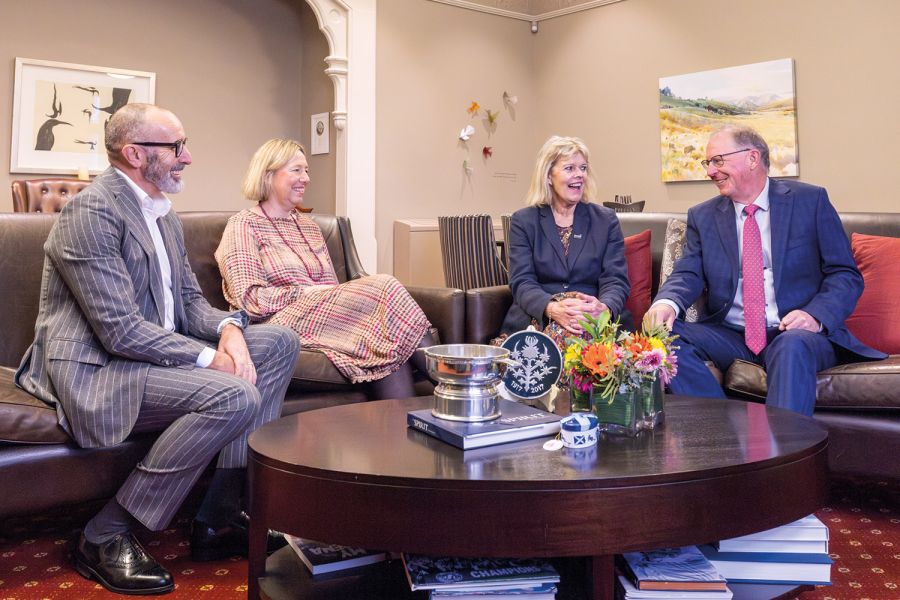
x=432, y=61
x=231, y=69
x=317, y=96
x=597, y=72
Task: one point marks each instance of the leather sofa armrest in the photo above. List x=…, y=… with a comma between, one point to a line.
x=485, y=310
x=445, y=308
x=354, y=265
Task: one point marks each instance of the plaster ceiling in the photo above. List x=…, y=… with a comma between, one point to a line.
x=528, y=10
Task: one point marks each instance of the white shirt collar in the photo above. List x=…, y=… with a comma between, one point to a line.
x=762, y=201
x=154, y=208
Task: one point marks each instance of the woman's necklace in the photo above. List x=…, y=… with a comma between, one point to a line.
x=309, y=270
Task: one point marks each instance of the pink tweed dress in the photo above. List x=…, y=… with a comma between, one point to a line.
x=279, y=271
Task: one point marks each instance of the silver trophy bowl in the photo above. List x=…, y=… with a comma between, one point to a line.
x=467, y=376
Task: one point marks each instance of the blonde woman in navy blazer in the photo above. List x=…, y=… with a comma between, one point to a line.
x=547, y=282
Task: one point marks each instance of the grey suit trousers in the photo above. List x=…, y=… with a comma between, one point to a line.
x=202, y=412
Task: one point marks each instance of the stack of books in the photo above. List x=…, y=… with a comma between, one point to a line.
x=322, y=558
x=796, y=553
x=516, y=422
x=682, y=573
x=452, y=578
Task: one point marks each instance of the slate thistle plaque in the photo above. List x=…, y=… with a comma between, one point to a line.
x=541, y=364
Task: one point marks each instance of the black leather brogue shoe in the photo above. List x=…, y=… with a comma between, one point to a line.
x=121, y=565
x=232, y=539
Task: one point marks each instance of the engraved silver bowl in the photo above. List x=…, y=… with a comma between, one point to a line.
x=467, y=376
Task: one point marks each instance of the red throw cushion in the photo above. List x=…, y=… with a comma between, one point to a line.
x=876, y=320
x=640, y=273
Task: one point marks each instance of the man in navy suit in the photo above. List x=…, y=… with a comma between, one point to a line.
x=808, y=282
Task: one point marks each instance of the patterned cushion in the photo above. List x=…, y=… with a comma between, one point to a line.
x=469, y=252
x=672, y=251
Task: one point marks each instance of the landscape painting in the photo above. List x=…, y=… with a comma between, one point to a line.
x=692, y=106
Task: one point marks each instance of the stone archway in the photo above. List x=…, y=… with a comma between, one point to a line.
x=349, y=27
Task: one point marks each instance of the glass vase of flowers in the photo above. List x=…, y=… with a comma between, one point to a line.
x=624, y=372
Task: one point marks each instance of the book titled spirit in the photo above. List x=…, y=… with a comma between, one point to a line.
x=516, y=422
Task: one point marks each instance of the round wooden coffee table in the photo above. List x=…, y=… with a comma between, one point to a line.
x=357, y=475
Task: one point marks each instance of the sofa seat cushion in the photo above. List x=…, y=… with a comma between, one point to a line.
x=746, y=380
x=23, y=418
x=874, y=384
x=876, y=321
x=314, y=366
x=639, y=261
x=866, y=385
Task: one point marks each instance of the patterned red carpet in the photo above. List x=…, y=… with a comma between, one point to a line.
x=35, y=554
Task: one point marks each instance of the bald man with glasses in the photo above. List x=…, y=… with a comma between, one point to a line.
x=125, y=343
x=780, y=279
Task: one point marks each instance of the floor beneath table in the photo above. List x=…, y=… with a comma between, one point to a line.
x=863, y=517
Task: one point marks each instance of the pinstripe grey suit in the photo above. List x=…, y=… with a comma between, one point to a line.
x=102, y=357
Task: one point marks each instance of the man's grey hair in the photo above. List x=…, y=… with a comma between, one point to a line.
x=748, y=137
x=123, y=127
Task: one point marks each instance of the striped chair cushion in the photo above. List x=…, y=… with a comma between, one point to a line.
x=469, y=252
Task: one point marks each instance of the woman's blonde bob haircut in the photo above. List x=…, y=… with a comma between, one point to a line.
x=270, y=157
x=539, y=191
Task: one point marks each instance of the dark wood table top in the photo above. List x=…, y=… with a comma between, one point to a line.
x=357, y=475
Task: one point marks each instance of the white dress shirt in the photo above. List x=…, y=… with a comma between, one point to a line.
x=152, y=210
x=735, y=316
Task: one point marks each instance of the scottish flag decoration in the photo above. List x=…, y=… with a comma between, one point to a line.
x=540, y=360
x=579, y=430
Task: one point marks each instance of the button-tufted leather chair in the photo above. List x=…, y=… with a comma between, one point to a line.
x=44, y=195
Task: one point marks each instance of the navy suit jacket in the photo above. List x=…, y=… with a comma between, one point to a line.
x=539, y=268
x=813, y=265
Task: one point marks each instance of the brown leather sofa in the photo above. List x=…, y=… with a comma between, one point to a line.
x=40, y=467
x=858, y=403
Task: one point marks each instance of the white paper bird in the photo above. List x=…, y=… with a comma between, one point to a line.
x=466, y=132
x=511, y=100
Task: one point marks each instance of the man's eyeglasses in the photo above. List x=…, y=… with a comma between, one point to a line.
x=718, y=160
x=177, y=145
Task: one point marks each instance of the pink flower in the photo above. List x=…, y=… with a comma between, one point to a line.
x=650, y=361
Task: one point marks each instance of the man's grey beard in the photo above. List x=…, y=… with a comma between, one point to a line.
x=156, y=173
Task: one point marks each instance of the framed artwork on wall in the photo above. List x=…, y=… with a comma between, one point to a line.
x=692, y=106
x=60, y=112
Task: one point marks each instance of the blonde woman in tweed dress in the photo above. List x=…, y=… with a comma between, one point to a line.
x=275, y=266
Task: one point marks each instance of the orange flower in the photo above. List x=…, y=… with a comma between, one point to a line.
x=473, y=108
x=599, y=359
x=639, y=344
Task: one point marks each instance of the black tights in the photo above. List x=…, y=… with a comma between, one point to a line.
x=400, y=384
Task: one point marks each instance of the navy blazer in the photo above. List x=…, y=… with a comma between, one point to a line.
x=539, y=268
x=813, y=265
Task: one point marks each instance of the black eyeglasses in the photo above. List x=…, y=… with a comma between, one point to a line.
x=718, y=160
x=177, y=145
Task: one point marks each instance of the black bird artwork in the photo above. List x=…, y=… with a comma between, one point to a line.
x=55, y=106
x=91, y=89
x=92, y=144
x=45, y=137
x=119, y=99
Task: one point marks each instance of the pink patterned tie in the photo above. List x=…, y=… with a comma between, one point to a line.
x=754, y=293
